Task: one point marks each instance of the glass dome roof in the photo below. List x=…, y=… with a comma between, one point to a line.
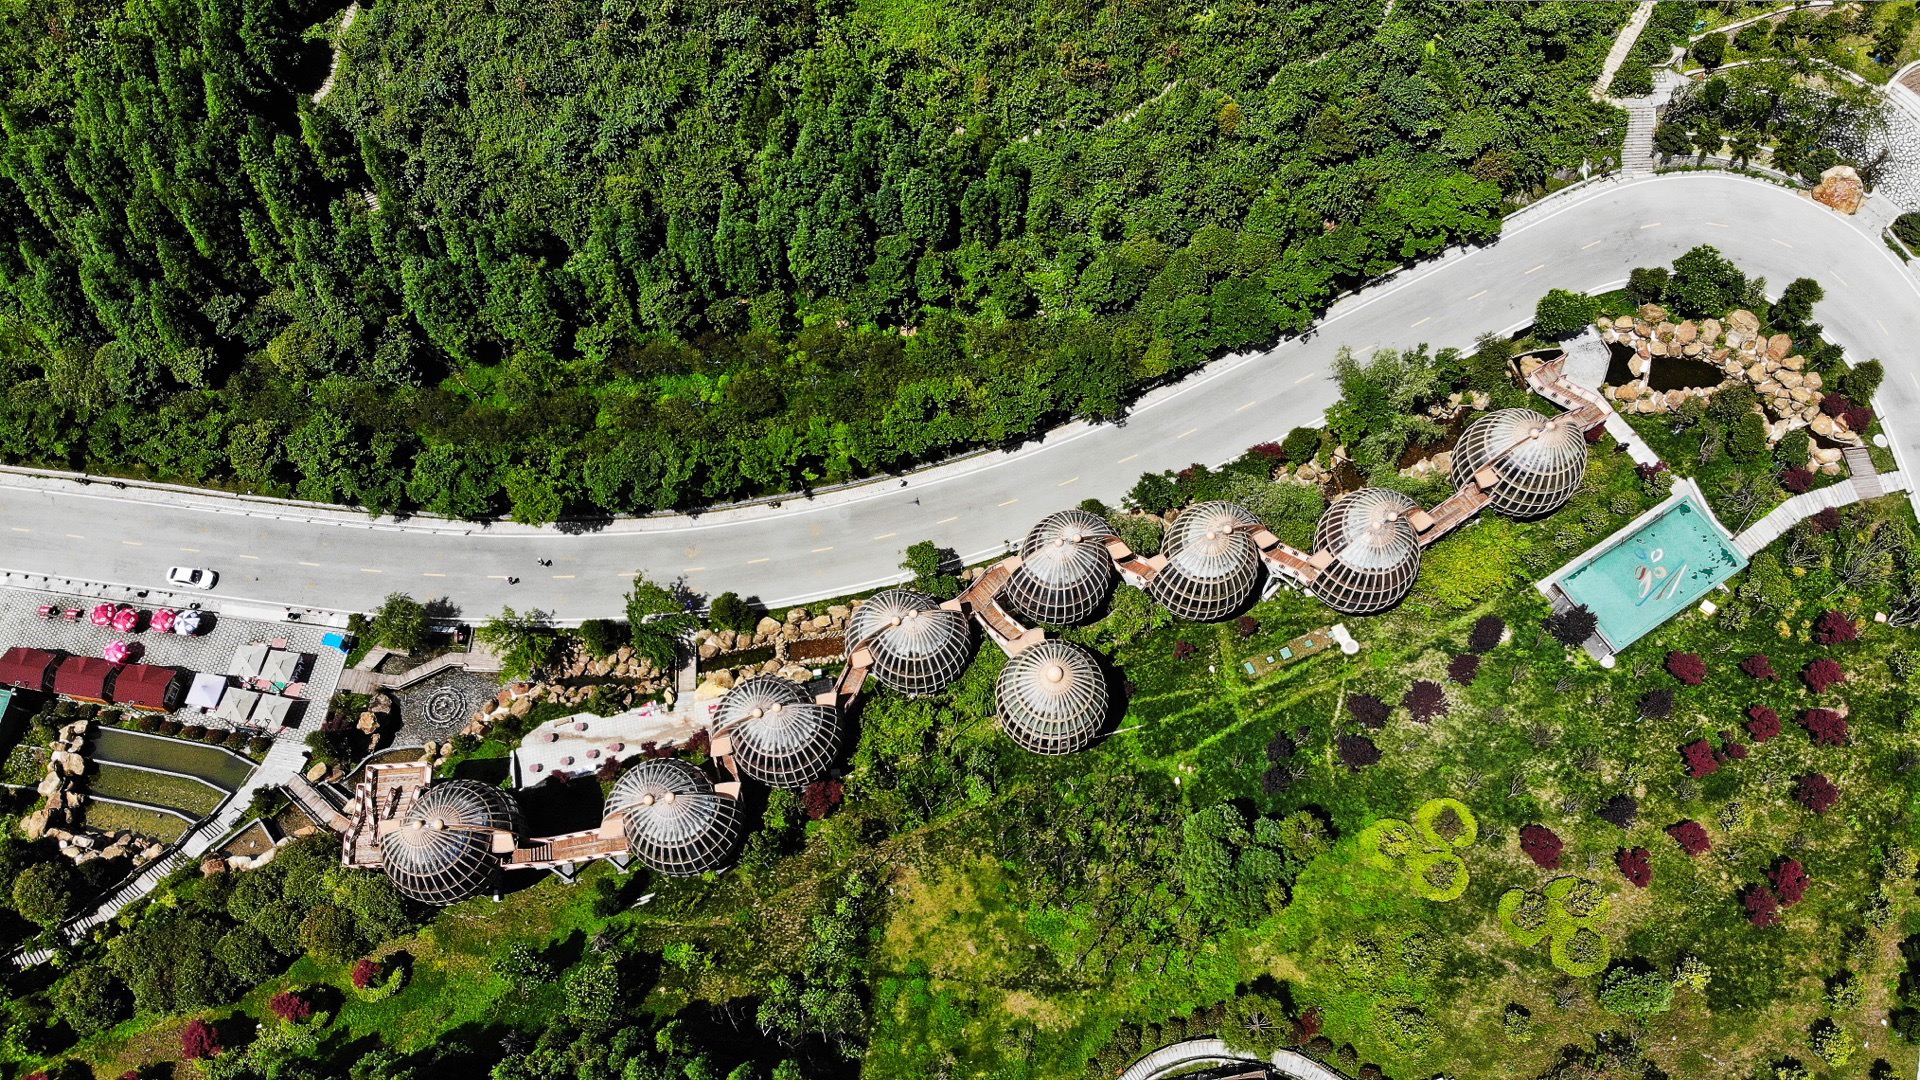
x=781, y=737
x=674, y=820
x=1376, y=552
x=1544, y=468
x=918, y=647
x=1052, y=698
x=442, y=852
x=1064, y=571
x=1212, y=565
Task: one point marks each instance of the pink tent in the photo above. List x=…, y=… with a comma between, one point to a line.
x=102, y=615
x=117, y=652
x=126, y=619
x=163, y=621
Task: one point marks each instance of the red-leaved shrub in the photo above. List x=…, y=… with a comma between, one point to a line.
x=1687, y=667
x=1425, y=700
x=1182, y=650
x=1834, y=628
x=1656, y=704
x=1858, y=418
x=1463, y=668
x=1763, y=908
x=199, y=1040
x=1827, y=727
x=1369, y=710
x=1815, y=792
x=1486, y=634
x=1700, y=758
x=1357, y=751
x=1762, y=723
x=1826, y=521
x=1635, y=866
x=367, y=973
x=1730, y=750
x=1789, y=880
x=291, y=1006
x=1822, y=675
x=1691, y=837
x=1759, y=666
x=1542, y=846
x=821, y=797
x=1797, y=480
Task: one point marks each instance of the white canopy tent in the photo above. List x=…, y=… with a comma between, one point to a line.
x=280, y=666
x=206, y=690
x=247, y=660
x=236, y=706
x=272, y=711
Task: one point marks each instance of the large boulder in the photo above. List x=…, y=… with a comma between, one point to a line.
x=1652, y=313
x=1778, y=346
x=317, y=771
x=1840, y=188
x=34, y=825
x=1743, y=322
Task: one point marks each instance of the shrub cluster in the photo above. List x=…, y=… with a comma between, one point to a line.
x=1357, y=751
x=1691, y=836
x=1762, y=723
x=1815, y=792
x=1827, y=727
x=1426, y=851
x=1619, y=811
x=1486, y=634
x=1369, y=711
x=1542, y=845
x=1464, y=668
x=1759, y=666
x=1566, y=914
x=1835, y=628
x=1822, y=675
x=1425, y=700
x=1635, y=865
x=1701, y=759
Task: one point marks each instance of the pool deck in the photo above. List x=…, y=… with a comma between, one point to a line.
x=1616, y=631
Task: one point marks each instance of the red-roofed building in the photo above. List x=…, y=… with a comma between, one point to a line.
x=27, y=669
x=83, y=678
x=145, y=686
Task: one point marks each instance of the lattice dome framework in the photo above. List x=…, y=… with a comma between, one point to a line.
x=442, y=853
x=1544, y=468
x=675, y=821
x=1065, y=572
x=1375, y=550
x=1212, y=564
x=918, y=647
x=781, y=737
x=1052, y=698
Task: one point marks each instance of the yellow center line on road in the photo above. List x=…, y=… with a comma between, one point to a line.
x=497, y=577
x=1781, y=242
x=946, y=521
x=75, y=536
x=1718, y=225
x=886, y=536
x=1422, y=322
x=569, y=577
x=304, y=563
x=1009, y=502
x=1651, y=225
x=191, y=551
x=817, y=551
x=133, y=543
x=1542, y=266
x=1305, y=377
x=1247, y=406
x=1478, y=295
x=20, y=528
x=628, y=573
x=767, y=558
x=1064, y=483
x=1182, y=435
x=432, y=574
x=371, y=570
x=1126, y=459
x=1596, y=243
x=255, y=558
x=688, y=570
x=1883, y=327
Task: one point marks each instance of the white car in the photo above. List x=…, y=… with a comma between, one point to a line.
x=191, y=577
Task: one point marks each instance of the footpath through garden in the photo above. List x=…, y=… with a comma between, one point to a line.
x=1183, y=1057
x=1864, y=484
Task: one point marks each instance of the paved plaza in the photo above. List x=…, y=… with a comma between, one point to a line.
x=209, y=651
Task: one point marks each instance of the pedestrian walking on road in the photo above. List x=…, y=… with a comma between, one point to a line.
x=513, y=581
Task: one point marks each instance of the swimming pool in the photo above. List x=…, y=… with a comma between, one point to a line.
x=1663, y=562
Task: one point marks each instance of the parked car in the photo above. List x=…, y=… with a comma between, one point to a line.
x=191, y=577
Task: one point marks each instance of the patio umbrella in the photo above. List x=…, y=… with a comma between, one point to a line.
x=117, y=652
x=187, y=623
x=163, y=621
x=102, y=615
x=206, y=690
x=125, y=620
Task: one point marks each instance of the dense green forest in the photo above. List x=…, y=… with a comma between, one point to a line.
x=603, y=257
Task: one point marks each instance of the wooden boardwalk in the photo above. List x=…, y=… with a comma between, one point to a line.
x=1797, y=509
x=1184, y=1057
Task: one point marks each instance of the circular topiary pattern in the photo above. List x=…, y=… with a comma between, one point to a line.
x=1424, y=852
x=1448, y=822
x=1566, y=914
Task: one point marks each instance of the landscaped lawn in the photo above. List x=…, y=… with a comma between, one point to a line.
x=157, y=789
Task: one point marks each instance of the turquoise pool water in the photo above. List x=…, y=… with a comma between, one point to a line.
x=1656, y=569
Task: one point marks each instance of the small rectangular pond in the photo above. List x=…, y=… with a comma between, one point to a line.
x=1660, y=564
x=175, y=755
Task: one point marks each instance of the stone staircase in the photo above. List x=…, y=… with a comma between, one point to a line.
x=1636, y=153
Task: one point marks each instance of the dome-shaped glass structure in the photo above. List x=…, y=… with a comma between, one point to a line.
x=1212, y=565
x=1065, y=571
x=1052, y=698
x=1375, y=550
x=442, y=851
x=1545, y=463
x=781, y=737
x=674, y=820
x=918, y=647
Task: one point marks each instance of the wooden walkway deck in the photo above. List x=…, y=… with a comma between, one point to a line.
x=1797, y=509
x=1183, y=1057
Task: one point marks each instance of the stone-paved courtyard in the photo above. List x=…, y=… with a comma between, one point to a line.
x=210, y=651
x=437, y=707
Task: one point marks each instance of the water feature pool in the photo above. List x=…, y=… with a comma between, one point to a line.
x=212, y=764
x=1664, y=561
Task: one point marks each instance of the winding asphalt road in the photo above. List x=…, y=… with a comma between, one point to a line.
x=845, y=541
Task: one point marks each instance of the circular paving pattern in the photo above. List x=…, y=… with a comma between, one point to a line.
x=440, y=705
